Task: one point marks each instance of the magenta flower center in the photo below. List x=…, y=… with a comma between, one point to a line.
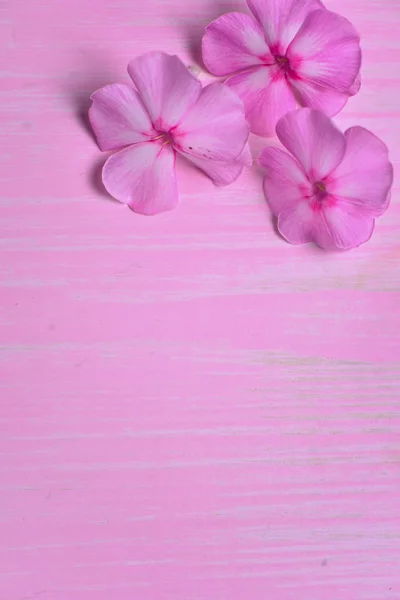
x=320, y=190
x=320, y=195
x=164, y=137
x=282, y=62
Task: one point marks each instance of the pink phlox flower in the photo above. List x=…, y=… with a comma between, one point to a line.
x=166, y=112
x=331, y=186
x=293, y=52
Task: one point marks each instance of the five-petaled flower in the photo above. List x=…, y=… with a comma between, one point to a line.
x=292, y=52
x=167, y=112
x=332, y=187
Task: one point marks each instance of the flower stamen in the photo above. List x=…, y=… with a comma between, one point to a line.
x=165, y=137
x=282, y=62
x=319, y=196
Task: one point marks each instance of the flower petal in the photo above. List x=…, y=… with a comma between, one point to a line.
x=222, y=173
x=365, y=175
x=348, y=226
x=285, y=182
x=246, y=157
x=281, y=19
x=296, y=224
x=300, y=224
x=143, y=176
x=326, y=51
x=215, y=128
x=313, y=139
x=266, y=97
x=321, y=98
x=118, y=117
x=355, y=88
x=166, y=86
x=233, y=42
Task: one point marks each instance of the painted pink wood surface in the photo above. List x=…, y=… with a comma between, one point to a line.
x=191, y=409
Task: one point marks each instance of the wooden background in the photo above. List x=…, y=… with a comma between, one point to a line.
x=191, y=409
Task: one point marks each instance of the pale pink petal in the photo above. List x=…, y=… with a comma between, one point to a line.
x=166, y=86
x=313, y=139
x=326, y=51
x=365, y=175
x=301, y=224
x=348, y=227
x=143, y=176
x=222, y=173
x=287, y=191
x=322, y=235
x=355, y=88
x=386, y=204
x=234, y=42
x=246, y=157
x=215, y=128
x=118, y=117
x=285, y=182
x=315, y=96
x=281, y=19
x=296, y=223
x=266, y=97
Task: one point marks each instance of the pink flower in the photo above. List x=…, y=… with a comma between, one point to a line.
x=167, y=113
x=293, y=51
x=332, y=187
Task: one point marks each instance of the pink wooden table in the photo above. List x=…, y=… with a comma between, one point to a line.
x=191, y=409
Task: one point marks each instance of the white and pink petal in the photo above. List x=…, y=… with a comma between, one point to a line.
x=266, y=96
x=296, y=223
x=233, y=42
x=118, y=117
x=355, y=88
x=167, y=88
x=215, y=128
x=365, y=175
x=285, y=182
x=313, y=139
x=281, y=19
x=326, y=51
x=311, y=95
x=347, y=226
x=143, y=176
x=302, y=223
x=222, y=172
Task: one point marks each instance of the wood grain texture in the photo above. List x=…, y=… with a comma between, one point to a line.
x=191, y=409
